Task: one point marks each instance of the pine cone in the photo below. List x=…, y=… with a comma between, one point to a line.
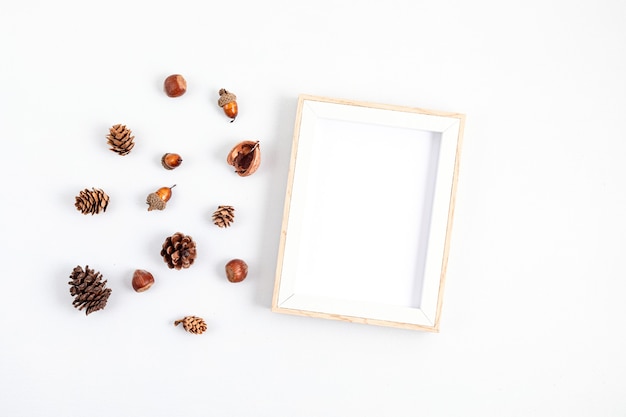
x=88, y=289
x=120, y=139
x=192, y=324
x=92, y=202
x=224, y=216
x=179, y=251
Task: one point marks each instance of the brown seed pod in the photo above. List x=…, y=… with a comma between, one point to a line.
x=158, y=199
x=228, y=102
x=120, y=139
x=236, y=270
x=92, y=202
x=88, y=289
x=245, y=157
x=179, y=251
x=192, y=324
x=224, y=216
x=171, y=160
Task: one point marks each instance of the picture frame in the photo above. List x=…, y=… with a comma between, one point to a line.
x=368, y=213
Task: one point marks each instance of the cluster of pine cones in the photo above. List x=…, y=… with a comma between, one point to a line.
x=94, y=201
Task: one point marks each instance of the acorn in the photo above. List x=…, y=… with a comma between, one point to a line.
x=245, y=157
x=228, y=102
x=142, y=280
x=171, y=160
x=158, y=199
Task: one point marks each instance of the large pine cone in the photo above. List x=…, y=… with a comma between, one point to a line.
x=92, y=202
x=120, y=139
x=89, y=291
x=179, y=251
x=224, y=216
x=192, y=324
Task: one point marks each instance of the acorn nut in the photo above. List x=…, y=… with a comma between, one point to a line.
x=158, y=199
x=171, y=160
x=245, y=157
x=142, y=280
x=228, y=102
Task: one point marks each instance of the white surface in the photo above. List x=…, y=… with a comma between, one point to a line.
x=533, y=318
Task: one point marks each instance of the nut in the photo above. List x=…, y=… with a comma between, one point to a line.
x=171, y=160
x=142, y=280
x=228, y=102
x=175, y=85
x=165, y=193
x=158, y=199
x=245, y=157
x=236, y=270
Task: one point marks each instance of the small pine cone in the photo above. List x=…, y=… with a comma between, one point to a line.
x=120, y=139
x=179, y=251
x=192, y=324
x=224, y=216
x=92, y=202
x=88, y=289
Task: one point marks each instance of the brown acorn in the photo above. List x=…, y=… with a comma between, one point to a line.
x=158, y=199
x=245, y=157
x=228, y=102
x=171, y=160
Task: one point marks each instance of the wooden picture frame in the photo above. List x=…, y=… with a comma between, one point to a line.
x=368, y=213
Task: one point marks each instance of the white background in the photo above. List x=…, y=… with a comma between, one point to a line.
x=533, y=317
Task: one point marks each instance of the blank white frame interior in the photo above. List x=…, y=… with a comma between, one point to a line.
x=368, y=213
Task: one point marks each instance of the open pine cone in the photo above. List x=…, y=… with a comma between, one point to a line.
x=92, y=202
x=120, y=139
x=179, y=251
x=224, y=216
x=89, y=291
x=192, y=324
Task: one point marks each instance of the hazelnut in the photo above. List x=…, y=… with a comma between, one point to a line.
x=175, y=85
x=171, y=160
x=245, y=157
x=236, y=270
x=142, y=280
